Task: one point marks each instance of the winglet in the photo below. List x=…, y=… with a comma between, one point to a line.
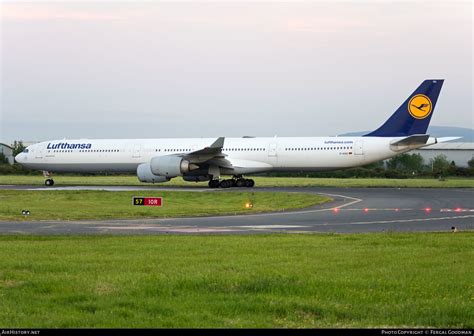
x=213, y=149
x=219, y=143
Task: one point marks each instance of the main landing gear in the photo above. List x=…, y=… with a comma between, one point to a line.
x=236, y=181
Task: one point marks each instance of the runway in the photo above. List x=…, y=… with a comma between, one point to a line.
x=354, y=210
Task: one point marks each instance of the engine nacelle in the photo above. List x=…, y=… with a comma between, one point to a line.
x=145, y=174
x=170, y=166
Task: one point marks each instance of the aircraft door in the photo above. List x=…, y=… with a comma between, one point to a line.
x=137, y=151
x=359, y=147
x=272, y=149
x=39, y=152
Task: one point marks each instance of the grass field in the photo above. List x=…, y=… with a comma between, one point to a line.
x=67, y=205
x=364, y=280
x=450, y=182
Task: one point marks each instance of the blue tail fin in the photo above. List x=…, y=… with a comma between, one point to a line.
x=414, y=115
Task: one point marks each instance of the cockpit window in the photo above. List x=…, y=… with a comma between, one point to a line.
x=25, y=150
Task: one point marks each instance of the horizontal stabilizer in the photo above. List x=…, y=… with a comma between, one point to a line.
x=446, y=139
x=410, y=142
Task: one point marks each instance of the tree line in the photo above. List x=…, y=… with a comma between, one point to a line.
x=401, y=166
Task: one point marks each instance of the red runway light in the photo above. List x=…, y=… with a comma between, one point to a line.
x=336, y=210
x=427, y=209
x=457, y=209
x=366, y=210
x=397, y=209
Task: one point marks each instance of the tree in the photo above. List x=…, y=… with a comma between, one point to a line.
x=408, y=163
x=452, y=168
x=374, y=165
x=470, y=163
x=440, y=165
x=18, y=147
x=3, y=158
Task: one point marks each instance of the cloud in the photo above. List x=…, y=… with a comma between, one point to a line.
x=47, y=12
x=323, y=25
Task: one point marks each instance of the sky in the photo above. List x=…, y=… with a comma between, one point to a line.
x=201, y=69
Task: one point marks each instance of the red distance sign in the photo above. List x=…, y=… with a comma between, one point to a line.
x=148, y=201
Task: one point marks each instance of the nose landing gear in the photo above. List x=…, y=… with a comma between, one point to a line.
x=49, y=181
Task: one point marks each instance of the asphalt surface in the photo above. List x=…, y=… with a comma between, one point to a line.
x=354, y=210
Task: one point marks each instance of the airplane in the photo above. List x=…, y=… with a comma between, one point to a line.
x=207, y=159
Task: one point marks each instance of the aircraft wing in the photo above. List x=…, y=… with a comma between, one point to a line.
x=215, y=148
x=212, y=155
x=221, y=162
x=212, y=152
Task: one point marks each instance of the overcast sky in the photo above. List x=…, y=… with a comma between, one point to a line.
x=143, y=69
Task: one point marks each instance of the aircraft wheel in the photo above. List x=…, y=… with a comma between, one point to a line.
x=226, y=183
x=249, y=183
x=49, y=182
x=240, y=183
x=214, y=184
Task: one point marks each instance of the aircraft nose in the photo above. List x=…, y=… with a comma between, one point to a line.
x=20, y=158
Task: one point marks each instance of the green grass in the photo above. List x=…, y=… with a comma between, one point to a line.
x=363, y=280
x=69, y=205
x=450, y=182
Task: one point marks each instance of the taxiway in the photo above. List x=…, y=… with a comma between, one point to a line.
x=354, y=210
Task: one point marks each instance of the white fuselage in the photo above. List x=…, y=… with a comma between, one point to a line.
x=201, y=159
x=247, y=155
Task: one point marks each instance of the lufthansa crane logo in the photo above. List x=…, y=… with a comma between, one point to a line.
x=420, y=106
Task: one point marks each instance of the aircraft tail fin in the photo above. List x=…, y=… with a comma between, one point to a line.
x=414, y=115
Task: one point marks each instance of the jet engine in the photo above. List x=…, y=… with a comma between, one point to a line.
x=171, y=166
x=144, y=174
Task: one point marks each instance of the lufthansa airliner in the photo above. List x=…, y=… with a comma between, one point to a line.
x=208, y=159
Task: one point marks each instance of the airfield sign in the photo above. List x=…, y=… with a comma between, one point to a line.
x=147, y=201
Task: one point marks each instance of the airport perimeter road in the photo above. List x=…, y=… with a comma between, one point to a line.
x=353, y=210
